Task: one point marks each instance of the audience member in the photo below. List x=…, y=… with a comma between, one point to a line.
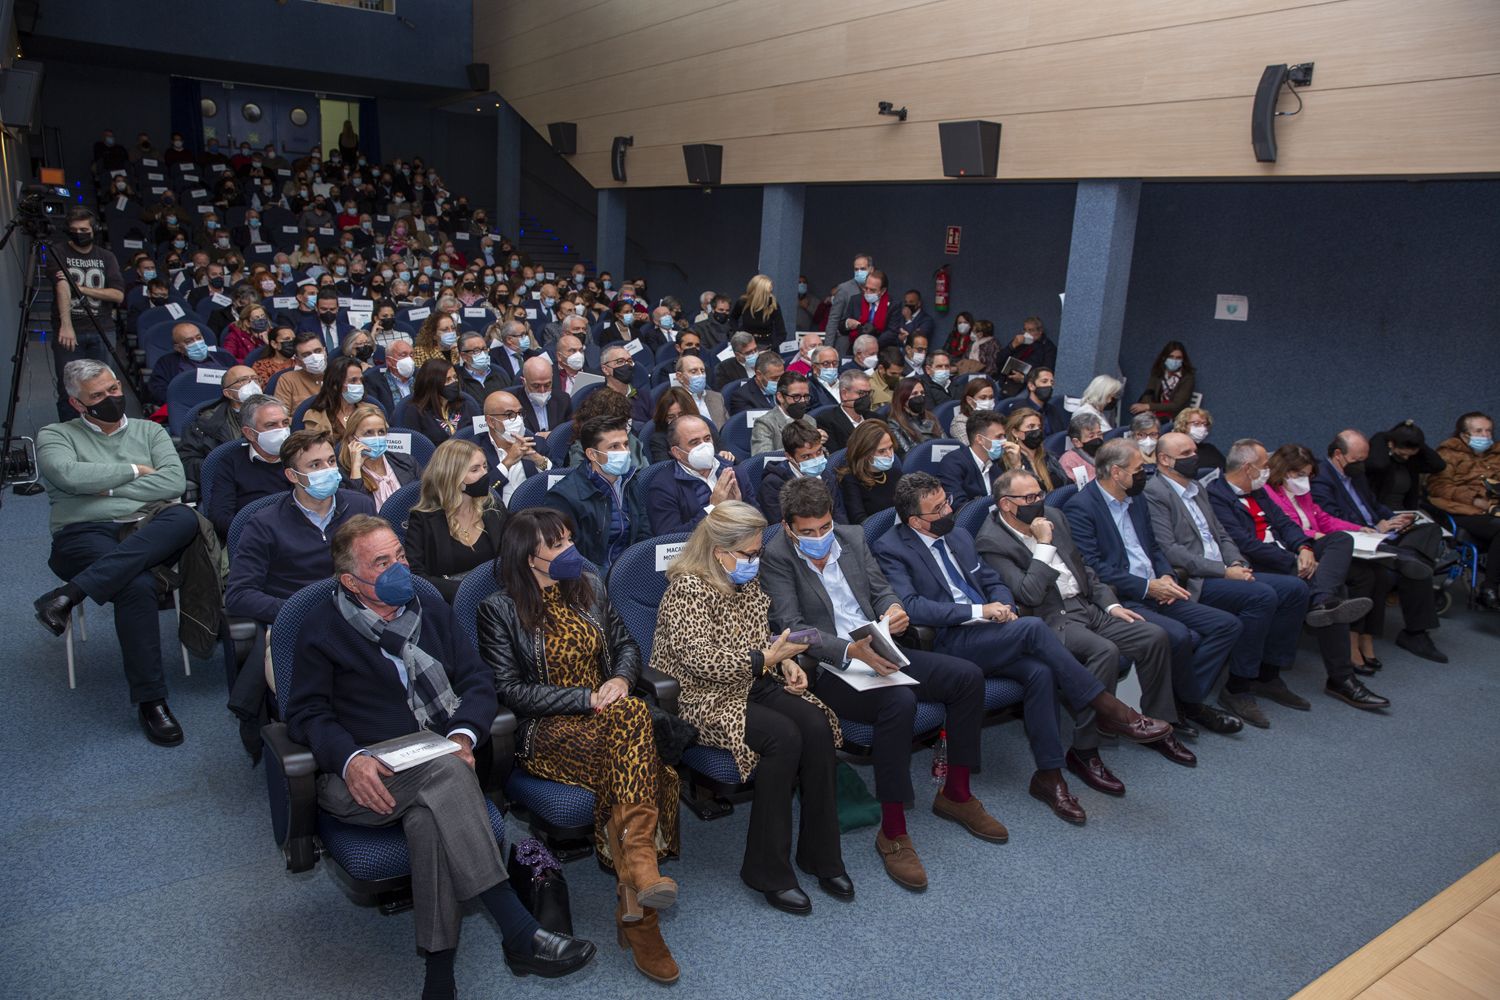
x=190, y=353
x=759, y=392
x=605, y=404
x=698, y=481
x=823, y=377
x=474, y=373
x=1023, y=449
x=248, y=333
x=1467, y=489
x=1169, y=387
x=1099, y=399
x=911, y=421
x=437, y=337
x=509, y=453
x=890, y=369
x=844, y=302
x=601, y=494
x=277, y=356
x=1041, y=396
x=1398, y=460
x=807, y=346
x=218, y=423
x=305, y=378
x=1145, y=431
x=869, y=474
x=1196, y=423
x=758, y=314
x=792, y=396
x=1085, y=438
x=937, y=377
x=252, y=470
x=543, y=408
x=970, y=471
x=1031, y=348
x=915, y=319
x=978, y=394
x=343, y=389
x=744, y=352
x=805, y=458
x=438, y=407
x=853, y=409
x=456, y=524
x=715, y=329
x=875, y=315
x=365, y=458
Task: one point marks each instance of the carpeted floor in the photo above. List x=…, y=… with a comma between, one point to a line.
x=137, y=871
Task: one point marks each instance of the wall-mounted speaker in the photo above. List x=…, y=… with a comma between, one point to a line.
x=705, y=163
x=617, y=156
x=970, y=149
x=1263, y=118
x=479, y=76
x=564, y=137
x=19, y=88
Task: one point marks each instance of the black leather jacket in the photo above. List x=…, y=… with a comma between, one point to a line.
x=519, y=660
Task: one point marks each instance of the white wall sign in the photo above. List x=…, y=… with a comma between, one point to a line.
x=1235, y=307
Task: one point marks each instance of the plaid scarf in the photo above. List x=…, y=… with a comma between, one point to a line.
x=428, y=692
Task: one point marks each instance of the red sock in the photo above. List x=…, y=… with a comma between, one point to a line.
x=892, y=820
x=956, y=788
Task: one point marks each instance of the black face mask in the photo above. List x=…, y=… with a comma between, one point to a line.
x=385, y=322
x=797, y=411
x=158, y=300
x=81, y=240
x=1186, y=466
x=108, y=410
x=328, y=317
x=916, y=405
x=862, y=405
x=364, y=352
x=721, y=317
x=1032, y=439
x=1352, y=469
x=216, y=282
x=1137, y=483
x=1089, y=447
x=625, y=373
x=287, y=349
x=451, y=391
x=478, y=488
x=1028, y=512
x=941, y=526
x=1042, y=392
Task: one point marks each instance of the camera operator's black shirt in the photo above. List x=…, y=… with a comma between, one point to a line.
x=94, y=268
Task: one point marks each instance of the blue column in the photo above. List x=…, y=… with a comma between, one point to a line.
x=508, y=170
x=1093, y=315
x=780, y=245
x=611, y=241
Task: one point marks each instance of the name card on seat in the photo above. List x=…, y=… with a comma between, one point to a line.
x=382, y=218
x=262, y=248
x=725, y=354
x=361, y=305
x=477, y=312
x=199, y=192
x=398, y=442
x=633, y=346
x=553, y=478
x=325, y=230
x=421, y=313
x=205, y=209
x=289, y=229
x=751, y=416
x=284, y=302
x=150, y=163
x=175, y=311
x=221, y=300
x=480, y=425
x=666, y=552
x=211, y=376
x=940, y=451
x=132, y=244
x=787, y=345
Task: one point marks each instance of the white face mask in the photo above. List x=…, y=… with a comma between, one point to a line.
x=315, y=364
x=513, y=428
x=981, y=405
x=868, y=364
x=1299, y=486
x=247, y=390
x=271, y=441
x=575, y=361
x=1197, y=432
x=702, y=456
x=1148, y=445
x=963, y=328
x=539, y=398
x=919, y=357
x=405, y=367
x=1260, y=480
x=1027, y=338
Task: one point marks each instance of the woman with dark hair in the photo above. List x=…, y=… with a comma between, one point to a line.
x=437, y=338
x=438, y=405
x=870, y=472
x=910, y=421
x=979, y=394
x=960, y=339
x=566, y=665
x=1399, y=458
x=673, y=403
x=343, y=389
x=1170, y=385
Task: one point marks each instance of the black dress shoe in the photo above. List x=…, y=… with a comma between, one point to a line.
x=1365, y=669
x=1243, y=705
x=1184, y=730
x=1214, y=720
x=841, y=886
x=1337, y=612
x=53, y=609
x=552, y=955
x=791, y=900
x=1371, y=661
x=161, y=727
x=1351, y=692
x=1420, y=644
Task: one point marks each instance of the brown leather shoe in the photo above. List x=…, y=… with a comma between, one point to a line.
x=1174, y=751
x=1092, y=771
x=1138, y=729
x=971, y=816
x=642, y=938
x=901, y=861
x=1058, y=799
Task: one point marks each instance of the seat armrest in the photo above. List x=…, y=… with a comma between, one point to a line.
x=291, y=782
x=665, y=689
x=918, y=637
x=502, y=753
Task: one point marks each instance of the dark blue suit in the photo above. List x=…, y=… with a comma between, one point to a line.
x=312, y=323
x=749, y=397
x=676, y=500
x=961, y=477
x=1025, y=650
x=1054, y=417
x=1201, y=636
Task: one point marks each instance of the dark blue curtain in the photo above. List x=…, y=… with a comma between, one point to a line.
x=187, y=111
x=369, y=129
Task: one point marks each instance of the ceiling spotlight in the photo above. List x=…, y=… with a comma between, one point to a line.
x=887, y=108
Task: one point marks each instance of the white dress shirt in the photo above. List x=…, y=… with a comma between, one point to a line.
x=976, y=611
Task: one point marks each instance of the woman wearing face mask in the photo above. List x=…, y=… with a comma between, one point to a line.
x=1144, y=431
x=1466, y=489
x=911, y=421
x=278, y=354
x=457, y=523
x=1085, y=435
x=870, y=472
x=343, y=389
x=249, y=332
x=567, y=666
x=1292, y=468
x=307, y=254
x=747, y=694
x=960, y=339
x=979, y=396
x=1196, y=422
x=1099, y=398
x=758, y=314
x=437, y=338
x=673, y=403
x=1170, y=386
x=1023, y=449
x=368, y=465
x=438, y=405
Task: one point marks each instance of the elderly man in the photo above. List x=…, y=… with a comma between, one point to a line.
x=759, y=392
x=845, y=297
x=698, y=483
x=542, y=408
x=1466, y=490
x=475, y=373
x=571, y=358
x=619, y=368
x=823, y=376
x=691, y=374
x=509, y=450
x=853, y=409
x=807, y=346
x=218, y=423
x=253, y=470
x=511, y=347
x=714, y=328
x=739, y=363
x=114, y=484
x=865, y=354
x=400, y=371
x=190, y=353
x=376, y=661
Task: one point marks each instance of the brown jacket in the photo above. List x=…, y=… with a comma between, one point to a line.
x=1458, y=487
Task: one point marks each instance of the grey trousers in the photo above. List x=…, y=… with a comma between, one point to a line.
x=1098, y=639
x=453, y=855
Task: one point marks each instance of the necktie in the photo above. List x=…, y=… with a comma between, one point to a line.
x=955, y=575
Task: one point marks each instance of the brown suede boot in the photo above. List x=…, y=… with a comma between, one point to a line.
x=632, y=832
x=643, y=940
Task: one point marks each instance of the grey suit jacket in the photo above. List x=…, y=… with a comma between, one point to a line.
x=799, y=600
x=1033, y=582
x=1178, y=535
x=766, y=434
x=838, y=309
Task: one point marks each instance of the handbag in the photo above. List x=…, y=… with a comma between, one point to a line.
x=856, y=806
x=673, y=735
x=538, y=880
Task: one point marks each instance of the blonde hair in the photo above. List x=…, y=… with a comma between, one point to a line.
x=1101, y=390
x=1185, y=416
x=728, y=526
x=758, y=297
x=1037, y=456
x=442, y=481
x=357, y=416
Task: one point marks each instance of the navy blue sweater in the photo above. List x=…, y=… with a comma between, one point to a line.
x=281, y=551
x=238, y=481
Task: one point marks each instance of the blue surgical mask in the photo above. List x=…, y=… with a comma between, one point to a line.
x=666, y=322
x=405, y=276
x=374, y=446
x=801, y=288
x=323, y=483
x=148, y=273
x=523, y=344
x=616, y=463
x=883, y=463
x=814, y=466
x=744, y=570
x=427, y=270
x=942, y=376
x=548, y=302
x=480, y=362
x=606, y=283
x=860, y=274
x=354, y=392
x=771, y=387
x=394, y=586
x=697, y=384
x=447, y=338
x=340, y=270
x=1172, y=364
x=996, y=449
x=628, y=318
x=1480, y=445
x=816, y=548
x=828, y=376
x=197, y=350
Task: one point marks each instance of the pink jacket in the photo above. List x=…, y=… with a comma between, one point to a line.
x=1309, y=516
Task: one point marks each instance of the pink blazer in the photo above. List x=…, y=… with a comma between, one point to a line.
x=1308, y=515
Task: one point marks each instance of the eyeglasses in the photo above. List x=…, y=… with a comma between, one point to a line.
x=946, y=507
x=802, y=398
x=1027, y=498
x=505, y=414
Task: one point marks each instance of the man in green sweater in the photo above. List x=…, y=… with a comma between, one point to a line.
x=102, y=471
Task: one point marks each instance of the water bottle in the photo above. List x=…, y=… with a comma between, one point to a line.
x=940, y=758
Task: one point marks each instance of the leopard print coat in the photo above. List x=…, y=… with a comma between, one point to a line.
x=703, y=639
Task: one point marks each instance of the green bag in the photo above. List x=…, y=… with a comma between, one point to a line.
x=857, y=807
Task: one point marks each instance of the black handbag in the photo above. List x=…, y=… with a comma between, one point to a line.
x=673, y=735
x=538, y=880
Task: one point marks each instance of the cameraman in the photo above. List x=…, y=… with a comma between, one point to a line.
x=96, y=273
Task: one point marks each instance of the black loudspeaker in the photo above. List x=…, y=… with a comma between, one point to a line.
x=617, y=156
x=970, y=149
x=479, y=76
x=564, y=137
x=704, y=162
x=1263, y=118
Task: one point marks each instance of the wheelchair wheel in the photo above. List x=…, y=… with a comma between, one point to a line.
x=1444, y=599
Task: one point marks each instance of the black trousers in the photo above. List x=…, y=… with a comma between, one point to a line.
x=796, y=750
x=92, y=557
x=1334, y=552
x=1485, y=530
x=955, y=682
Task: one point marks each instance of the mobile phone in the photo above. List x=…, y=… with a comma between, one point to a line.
x=804, y=637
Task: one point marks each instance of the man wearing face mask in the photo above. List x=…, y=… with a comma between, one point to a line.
x=937, y=378
x=543, y=408
x=1274, y=545
x=691, y=374
x=698, y=482
x=327, y=320
x=759, y=392
x=157, y=294
x=914, y=318
x=571, y=358
x=252, y=470
x=823, y=378
x=739, y=363
x=1031, y=346
x=510, y=452
x=217, y=424
x=1085, y=438
x=102, y=473
x=515, y=345
x=846, y=299
x=1031, y=547
x=101, y=287
x=876, y=314
x=715, y=329
x=619, y=370
x=1270, y=606
x=306, y=377
x=1041, y=396
x=1468, y=489
x=793, y=396
x=969, y=472
x=806, y=458
x=853, y=409
x=210, y=281
x=477, y=374
x=190, y=353
x=400, y=370
x=602, y=495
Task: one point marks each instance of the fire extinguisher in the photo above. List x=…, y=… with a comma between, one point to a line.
x=942, y=290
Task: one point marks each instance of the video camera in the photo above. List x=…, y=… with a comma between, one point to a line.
x=38, y=206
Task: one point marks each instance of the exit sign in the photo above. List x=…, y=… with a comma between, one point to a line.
x=950, y=243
